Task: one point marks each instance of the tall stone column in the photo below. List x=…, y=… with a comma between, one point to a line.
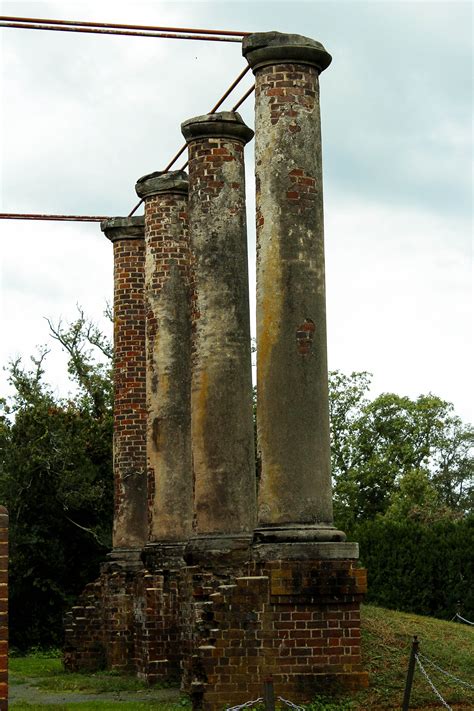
x=295, y=498
x=130, y=485
x=168, y=357
x=221, y=388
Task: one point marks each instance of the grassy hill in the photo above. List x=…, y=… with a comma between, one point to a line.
x=386, y=639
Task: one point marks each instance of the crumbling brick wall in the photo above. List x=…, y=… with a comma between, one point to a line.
x=3, y=608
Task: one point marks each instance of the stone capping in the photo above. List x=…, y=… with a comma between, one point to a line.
x=117, y=228
x=174, y=181
x=299, y=533
x=225, y=124
x=121, y=558
x=306, y=551
x=264, y=48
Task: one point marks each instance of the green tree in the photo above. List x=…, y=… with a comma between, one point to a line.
x=397, y=456
x=56, y=480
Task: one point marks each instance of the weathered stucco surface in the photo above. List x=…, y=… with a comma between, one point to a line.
x=292, y=380
x=168, y=344
x=221, y=392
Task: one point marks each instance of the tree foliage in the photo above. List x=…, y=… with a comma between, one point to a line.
x=418, y=568
x=56, y=480
x=397, y=457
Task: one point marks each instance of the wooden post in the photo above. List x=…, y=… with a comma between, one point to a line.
x=410, y=673
x=269, y=694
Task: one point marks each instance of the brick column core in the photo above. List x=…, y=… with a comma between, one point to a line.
x=295, y=497
x=130, y=486
x=221, y=391
x=168, y=344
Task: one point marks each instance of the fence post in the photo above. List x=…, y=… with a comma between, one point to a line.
x=410, y=673
x=269, y=694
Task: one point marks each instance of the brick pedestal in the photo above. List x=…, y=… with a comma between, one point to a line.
x=298, y=621
x=3, y=609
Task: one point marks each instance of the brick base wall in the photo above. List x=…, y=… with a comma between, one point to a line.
x=225, y=630
x=298, y=621
x=3, y=608
x=157, y=627
x=127, y=620
x=84, y=637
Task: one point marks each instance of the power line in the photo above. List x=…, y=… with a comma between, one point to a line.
x=31, y=23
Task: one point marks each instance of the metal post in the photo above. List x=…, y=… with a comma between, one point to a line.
x=410, y=673
x=269, y=694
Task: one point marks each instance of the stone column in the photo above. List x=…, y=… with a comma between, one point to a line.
x=295, y=498
x=221, y=389
x=130, y=486
x=168, y=353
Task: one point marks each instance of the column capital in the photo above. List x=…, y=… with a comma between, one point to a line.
x=225, y=124
x=117, y=228
x=174, y=181
x=265, y=48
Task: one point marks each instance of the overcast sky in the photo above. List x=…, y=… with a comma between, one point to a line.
x=84, y=116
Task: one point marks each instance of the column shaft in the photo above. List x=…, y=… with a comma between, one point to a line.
x=292, y=379
x=221, y=391
x=130, y=487
x=168, y=344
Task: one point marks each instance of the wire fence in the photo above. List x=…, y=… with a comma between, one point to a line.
x=426, y=666
x=246, y=704
x=435, y=690
x=261, y=700
x=459, y=617
x=420, y=661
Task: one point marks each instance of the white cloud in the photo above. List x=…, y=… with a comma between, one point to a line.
x=85, y=116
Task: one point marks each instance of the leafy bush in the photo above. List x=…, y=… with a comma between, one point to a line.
x=414, y=567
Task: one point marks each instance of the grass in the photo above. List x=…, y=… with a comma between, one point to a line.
x=386, y=642
x=49, y=674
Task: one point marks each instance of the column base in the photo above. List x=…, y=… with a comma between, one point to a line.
x=164, y=555
x=211, y=550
